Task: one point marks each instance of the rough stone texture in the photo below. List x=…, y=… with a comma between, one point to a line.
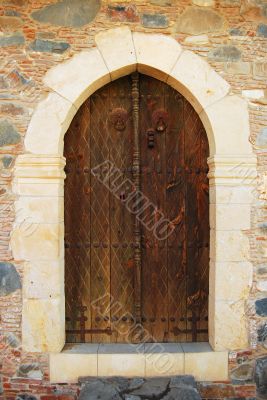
x=261, y=377
x=9, y=279
x=262, y=30
x=154, y=21
x=8, y=134
x=31, y=371
x=181, y=388
x=68, y=13
x=16, y=39
x=225, y=53
x=49, y=46
x=261, y=307
x=262, y=138
x=195, y=21
x=25, y=397
x=123, y=13
x=10, y=23
x=99, y=390
x=243, y=373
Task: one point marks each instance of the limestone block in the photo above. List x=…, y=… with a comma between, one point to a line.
x=230, y=281
x=67, y=367
x=164, y=359
x=228, y=246
x=117, y=49
x=228, y=322
x=237, y=68
x=79, y=77
x=204, y=363
x=149, y=50
x=43, y=325
x=38, y=187
x=230, y=216
x=39, y=210
x=227, y=195
x=121, y=360
x=197, y=81
x=38, y=241
x=43, y=279
x=48, y=124
x=227, y=119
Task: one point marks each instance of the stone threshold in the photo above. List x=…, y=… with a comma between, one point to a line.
x=138, y=360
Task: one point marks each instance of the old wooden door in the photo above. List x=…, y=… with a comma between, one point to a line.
x=126, y=281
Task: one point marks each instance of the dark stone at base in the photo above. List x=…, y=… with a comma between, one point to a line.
x=179, y=380
x=261, y=377
x=9, y=279
x=261, y=307
x=8, y=134
x=99, y=390
x=49, y=46
x=159, y=388
x=152, y=388
x=182, y=393
x=154, y=21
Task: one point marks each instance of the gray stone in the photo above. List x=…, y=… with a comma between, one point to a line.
x=225, y=53
x=25, y=397
x=195, y=21
x=68, y=12
x=243, y=372
x=261, y=377
x=8, y=134
x=154, y=387
x=12, y=340
x=154, y=21
x=9, y=279
x=235, y=32
x=261, y=307
x=182, y=393
x=179, y=380
x=131, y=397
x=262, y=333
x=136, y=383
x=12, y=109
x=31, y=371
x=120, y=383
x=262, y=269
x=99, y=390
x=7, y=161
x=16, y=39
x=12, y=13
x=262, y=30
x=49, y=46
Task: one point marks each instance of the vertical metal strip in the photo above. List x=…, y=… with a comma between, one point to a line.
x=137, y=183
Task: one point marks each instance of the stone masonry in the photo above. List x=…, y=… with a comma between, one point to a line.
x=36, y=35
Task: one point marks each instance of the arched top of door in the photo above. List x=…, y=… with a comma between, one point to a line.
x=119, y=52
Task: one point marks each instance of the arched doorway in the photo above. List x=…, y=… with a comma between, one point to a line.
x=121, y=272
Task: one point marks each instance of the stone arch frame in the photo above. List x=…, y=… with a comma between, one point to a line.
x=39, y=181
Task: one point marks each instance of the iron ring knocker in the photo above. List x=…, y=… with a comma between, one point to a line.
x=118, y=118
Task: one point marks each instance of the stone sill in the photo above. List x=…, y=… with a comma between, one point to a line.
x=145, y=360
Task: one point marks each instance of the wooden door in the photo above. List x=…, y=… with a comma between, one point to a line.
x=124, y=283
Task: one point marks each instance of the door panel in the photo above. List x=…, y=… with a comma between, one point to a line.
x=102, y=291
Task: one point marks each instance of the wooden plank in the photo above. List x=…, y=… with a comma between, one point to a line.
x=175, y=198
x=154, y=260
x=121, y=220
x=100, y=216
x=77, y=234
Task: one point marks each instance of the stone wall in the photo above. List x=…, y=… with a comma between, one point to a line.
x=36, y=35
